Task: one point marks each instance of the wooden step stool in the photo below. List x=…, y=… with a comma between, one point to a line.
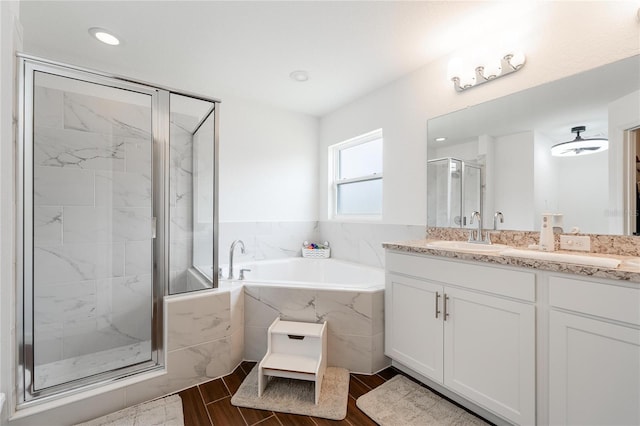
x=295, y=350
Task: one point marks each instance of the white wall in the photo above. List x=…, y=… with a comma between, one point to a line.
x=513, y=180
x=546, y=180
x=554, y=39
x=579, y=176
x=268, y=163
x=10, y=41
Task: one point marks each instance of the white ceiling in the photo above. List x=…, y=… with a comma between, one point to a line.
x=248, y=49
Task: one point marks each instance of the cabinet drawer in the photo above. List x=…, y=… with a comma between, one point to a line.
x=504, y=282
x=599, y=299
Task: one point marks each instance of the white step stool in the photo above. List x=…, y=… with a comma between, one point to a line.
x=295, y=350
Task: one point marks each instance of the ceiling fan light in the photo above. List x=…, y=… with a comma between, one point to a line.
x=579, y=146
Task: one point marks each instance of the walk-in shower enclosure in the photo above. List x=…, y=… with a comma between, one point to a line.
x=116, y=201
x=454, y=192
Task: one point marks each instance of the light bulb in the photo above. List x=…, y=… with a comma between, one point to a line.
x=517, y=60
x=454, y=68
x=467, y=78
x=492, y=68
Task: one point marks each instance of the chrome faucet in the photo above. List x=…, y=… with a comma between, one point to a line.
x=242, y=251
x=478, y=236
x=497, y=215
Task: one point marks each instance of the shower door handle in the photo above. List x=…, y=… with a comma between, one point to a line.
x=154, y=222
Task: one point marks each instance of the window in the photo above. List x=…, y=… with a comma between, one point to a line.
x=356, y=176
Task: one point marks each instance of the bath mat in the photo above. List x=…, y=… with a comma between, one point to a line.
x=297, y=396
x=401, y=402
x=164, y=411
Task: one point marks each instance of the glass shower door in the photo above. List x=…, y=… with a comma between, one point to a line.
x=89, y=230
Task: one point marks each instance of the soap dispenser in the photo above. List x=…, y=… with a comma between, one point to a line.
x=547, y=241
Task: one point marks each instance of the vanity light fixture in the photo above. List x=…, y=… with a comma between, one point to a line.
x=488, y=71
x=440, y=139
x=104, y=36
x=579, y=146
x=299, y=76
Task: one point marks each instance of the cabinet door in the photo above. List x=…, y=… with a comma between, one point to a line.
x=594, y=369
x=489, y=352
x=413, y=334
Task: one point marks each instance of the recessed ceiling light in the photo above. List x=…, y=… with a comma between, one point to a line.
x=104, y=36
x=299, y=75
x=441, y=139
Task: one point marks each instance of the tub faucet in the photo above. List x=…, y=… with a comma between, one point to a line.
x=233, y=246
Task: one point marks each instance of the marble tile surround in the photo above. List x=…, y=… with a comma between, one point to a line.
x=355, y=321
x=205, y=338
x=352, y=241
x=362, y=242
x=180, y=204
x=92, y=217
x=265, y=240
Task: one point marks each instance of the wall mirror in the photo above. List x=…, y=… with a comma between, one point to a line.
x=511, y=139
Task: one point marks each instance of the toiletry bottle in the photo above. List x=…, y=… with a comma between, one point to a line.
x=546, y=233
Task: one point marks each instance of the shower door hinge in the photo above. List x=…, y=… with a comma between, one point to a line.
x=154, y=222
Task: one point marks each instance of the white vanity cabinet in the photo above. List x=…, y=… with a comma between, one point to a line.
x=594, y=353
x=468, y=327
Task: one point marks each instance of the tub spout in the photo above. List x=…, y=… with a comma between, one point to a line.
x=233, y=246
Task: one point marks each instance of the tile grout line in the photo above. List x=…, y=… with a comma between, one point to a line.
x=240, y=412
x=231, y=396
x=363, y=383
x=204, y=405
x=264, y=420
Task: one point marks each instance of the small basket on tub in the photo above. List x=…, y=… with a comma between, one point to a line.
x=316, y=250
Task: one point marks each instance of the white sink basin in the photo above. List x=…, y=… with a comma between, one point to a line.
x=466, y=246
x=631, y=263
x=578, y=259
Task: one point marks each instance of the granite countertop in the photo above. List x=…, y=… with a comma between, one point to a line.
x=623, y=272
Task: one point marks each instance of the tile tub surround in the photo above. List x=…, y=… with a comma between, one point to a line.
x=352, y=241
x=361, y=242
x=265, y=240
x=355, y=321
x=631, y=274
x=205, y=338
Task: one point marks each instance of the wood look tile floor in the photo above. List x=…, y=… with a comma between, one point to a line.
x=209, y=404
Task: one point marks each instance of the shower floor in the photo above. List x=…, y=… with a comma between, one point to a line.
x=67, y=370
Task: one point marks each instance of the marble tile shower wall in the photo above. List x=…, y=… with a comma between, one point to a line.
x=180, y=202
x=92, y=222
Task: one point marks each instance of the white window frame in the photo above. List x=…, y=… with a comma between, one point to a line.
x=335, y=181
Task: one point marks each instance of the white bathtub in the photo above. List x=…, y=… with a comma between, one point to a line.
x=298, y=272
